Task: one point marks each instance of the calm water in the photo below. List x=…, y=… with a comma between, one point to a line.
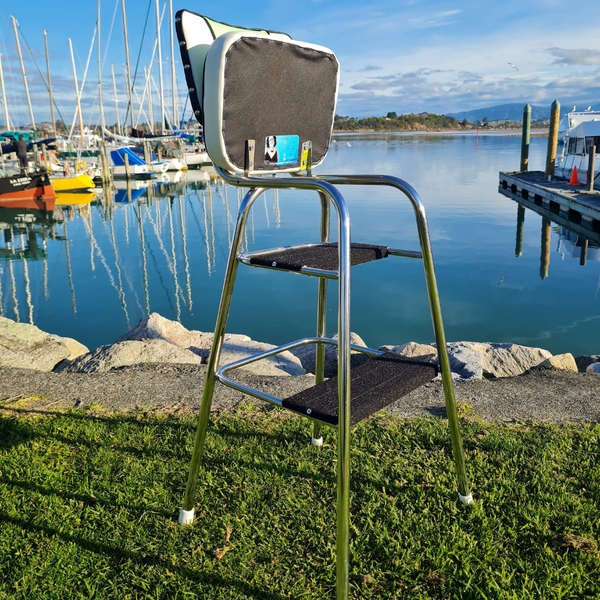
x=104, y=266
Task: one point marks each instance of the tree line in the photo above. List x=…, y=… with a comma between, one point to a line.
x=393, y=122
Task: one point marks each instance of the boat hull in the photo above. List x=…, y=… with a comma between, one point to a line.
x=27, y=191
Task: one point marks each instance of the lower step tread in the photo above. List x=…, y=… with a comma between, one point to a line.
x=374, y=385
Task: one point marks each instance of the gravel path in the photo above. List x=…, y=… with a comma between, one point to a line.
x=540, y=395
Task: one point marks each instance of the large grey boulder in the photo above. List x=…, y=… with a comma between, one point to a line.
x=507, y=360
x=307, y=355
x=235, y=346
x=465, y=361
x=155, y=327
x=125, y=354
x=26, y=346
x=472, y=360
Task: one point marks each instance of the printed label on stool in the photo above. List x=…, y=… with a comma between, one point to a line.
x=281, y=150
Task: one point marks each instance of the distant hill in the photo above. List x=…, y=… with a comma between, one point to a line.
x=503, y=112
x=513, y=112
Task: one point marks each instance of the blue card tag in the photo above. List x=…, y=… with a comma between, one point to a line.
x=281, y=150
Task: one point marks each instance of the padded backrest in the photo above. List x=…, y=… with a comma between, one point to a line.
x=275, y=92
x=196, y=34
x=258, y=85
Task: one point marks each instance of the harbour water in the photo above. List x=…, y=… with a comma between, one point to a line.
x=92, y=271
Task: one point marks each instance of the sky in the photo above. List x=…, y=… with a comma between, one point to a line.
x=395, y=55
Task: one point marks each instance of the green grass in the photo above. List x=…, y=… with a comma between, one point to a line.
x=89, y=504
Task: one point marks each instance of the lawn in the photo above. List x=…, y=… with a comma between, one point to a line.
x=89, y=504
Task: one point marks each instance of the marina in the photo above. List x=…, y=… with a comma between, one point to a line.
x=106, y=259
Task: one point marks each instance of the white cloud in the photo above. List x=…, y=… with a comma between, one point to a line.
x=575, y=57
x=435, y=20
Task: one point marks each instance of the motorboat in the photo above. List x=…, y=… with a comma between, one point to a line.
x=73, y=184
x=27, y=190
x=138, y=167
x=572, y=119
x=577, y=149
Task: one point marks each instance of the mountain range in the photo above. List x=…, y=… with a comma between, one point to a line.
x=511, y=112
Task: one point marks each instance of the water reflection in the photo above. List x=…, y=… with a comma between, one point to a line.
x=578, y=239
x=92, y=268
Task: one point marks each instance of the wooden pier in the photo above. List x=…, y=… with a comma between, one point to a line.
x=568, y=205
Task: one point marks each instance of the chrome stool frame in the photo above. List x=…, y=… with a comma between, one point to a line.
x=325, y=186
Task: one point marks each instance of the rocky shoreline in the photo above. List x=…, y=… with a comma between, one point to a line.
x=160, y=365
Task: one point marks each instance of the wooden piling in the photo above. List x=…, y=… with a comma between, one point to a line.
x=545, y=257
x=520, y=230
x=36, y=158
x=525, y=138
x=126, y=161
x=591, y=168
x=584, y=249
x=45, y=157
x=552, y=139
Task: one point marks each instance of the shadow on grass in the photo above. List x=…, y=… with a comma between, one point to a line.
x=117, y=556
x=15, y=431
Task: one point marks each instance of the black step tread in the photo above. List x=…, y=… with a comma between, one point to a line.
x=374, y=385
x=320, y=256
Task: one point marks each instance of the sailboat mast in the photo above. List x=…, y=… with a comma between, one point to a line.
x=6, y=121
x=173, y=81
x=112, y=68
x=14, y=22
x=150, y=115
x=160, y=73
x=100, y=79
x=129, y=88
x=77, y=93
x=49, y=83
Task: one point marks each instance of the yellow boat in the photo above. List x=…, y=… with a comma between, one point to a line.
x=71, y=198
x=71, y=184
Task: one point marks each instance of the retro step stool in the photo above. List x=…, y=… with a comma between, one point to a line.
x=267, y=104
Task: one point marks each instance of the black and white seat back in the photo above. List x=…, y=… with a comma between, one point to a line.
x=258, y=85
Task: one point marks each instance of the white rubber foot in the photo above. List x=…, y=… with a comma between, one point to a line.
x=465, y=499
x=317, y=441
x=186, y=517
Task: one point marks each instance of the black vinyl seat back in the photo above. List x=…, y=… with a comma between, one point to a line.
x=261, y=86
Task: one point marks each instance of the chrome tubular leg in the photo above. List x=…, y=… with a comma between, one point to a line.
x=317, y=436
x=464, y=492
x=343, y=465
x=186, y=515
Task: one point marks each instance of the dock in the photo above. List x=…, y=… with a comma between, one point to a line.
x=569, y=205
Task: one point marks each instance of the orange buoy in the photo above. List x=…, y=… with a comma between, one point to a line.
x=573, y=180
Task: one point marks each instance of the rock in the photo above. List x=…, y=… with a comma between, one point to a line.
x=506, y=360
x=423, y=352
x=28, y=347
x=75, y=348
x=583, y=362
x=235, y=346
x=560, y=362
x=593, y=368
x=155, y=327
x=465, y=361
x=306, y=355
x=129, y=353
